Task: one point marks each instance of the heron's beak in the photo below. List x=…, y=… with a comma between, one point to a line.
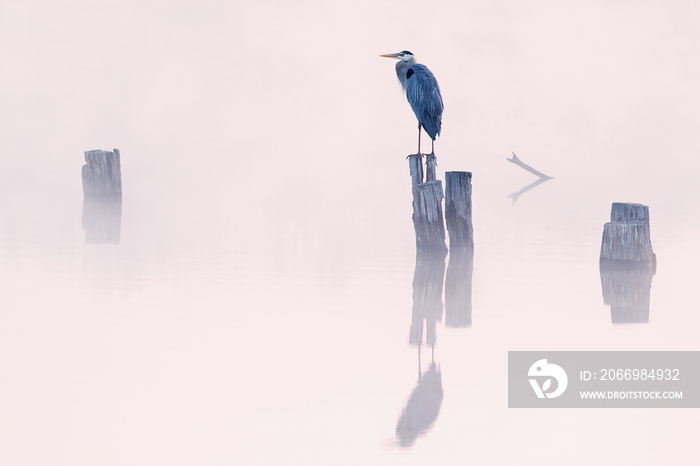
x=390, y=55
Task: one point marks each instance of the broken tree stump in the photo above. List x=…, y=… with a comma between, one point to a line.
x=428, y=220
x=458, y=209
x=627, y=236
x=102, y=175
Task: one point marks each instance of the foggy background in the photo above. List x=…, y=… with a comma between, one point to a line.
x=238, y=113
x=263, y=276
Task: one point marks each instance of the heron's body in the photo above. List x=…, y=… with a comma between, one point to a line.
x=422, y=92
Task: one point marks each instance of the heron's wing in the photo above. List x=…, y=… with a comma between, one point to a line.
x=423, y=93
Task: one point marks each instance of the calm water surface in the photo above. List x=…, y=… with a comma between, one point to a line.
x=177, y=346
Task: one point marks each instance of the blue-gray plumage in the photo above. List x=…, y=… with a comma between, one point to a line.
x=422, y=92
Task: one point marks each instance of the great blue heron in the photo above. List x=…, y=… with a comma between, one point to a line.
x=422, y=92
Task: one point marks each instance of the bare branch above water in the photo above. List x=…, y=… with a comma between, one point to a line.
x=527, y=167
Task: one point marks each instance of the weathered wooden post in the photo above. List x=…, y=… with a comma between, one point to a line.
x=430, y=167
x=627, y=263
x=428, y=220
x=415, y=167
x=102, y=174
x=102, y=197
x=627, y=236
x=458, y=209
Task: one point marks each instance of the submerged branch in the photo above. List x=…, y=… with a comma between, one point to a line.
x=527, y=167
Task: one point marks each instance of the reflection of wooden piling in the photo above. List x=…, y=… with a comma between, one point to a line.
x=458, y=287
x=428, y=220
x=627, y=236
x=423, y=406
x=458, y=209
x=627, y=290
x=428, y=279
x=102, y=175
x=102, y=218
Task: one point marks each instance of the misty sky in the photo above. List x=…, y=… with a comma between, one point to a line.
x=272, y=107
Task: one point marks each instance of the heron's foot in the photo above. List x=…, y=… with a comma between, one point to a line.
x=413, y=155
x=432, y=154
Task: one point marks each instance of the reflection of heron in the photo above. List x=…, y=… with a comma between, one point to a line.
x=422, y=92
x=422, y=408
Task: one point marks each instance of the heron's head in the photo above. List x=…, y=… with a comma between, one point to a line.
x=403, y=56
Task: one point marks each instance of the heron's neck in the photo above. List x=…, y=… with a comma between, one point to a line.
x=401, y=69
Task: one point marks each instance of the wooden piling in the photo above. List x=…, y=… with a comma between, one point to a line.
x=458, y=209
x=102, y=196
x=430, y=167
x=428, y=219
x=627, y=236
x=415, y=166
x=102, y=176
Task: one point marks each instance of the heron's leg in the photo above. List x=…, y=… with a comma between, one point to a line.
x=418, y=153
x=419, y=128
x=432, y=153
